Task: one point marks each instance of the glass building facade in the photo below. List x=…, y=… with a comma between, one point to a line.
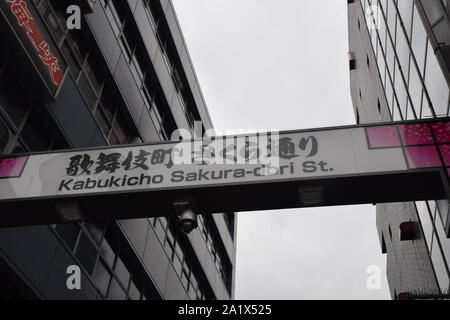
x=129, y=80
x=400, y=70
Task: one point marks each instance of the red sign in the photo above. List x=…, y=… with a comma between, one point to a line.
x=26, y=21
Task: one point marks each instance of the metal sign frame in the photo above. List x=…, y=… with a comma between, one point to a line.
x=266, y=193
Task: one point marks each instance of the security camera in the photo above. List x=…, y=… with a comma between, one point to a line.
x=187, y=218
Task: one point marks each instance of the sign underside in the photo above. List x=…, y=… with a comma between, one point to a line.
x=328, y=166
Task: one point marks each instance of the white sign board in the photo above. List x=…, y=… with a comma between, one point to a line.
x=228, y=160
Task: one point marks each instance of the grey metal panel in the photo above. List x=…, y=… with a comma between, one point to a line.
x=164, y=76
x=211, y=272
x=132, y=4
x=98, y=140
x=225, y=235
x=198, y=98
x=164, y=4
x=136, y=231
x=199, y=246
x=130, y=91
x=99, y=24
x=174, y=289
x=177, y=112
x=155, y=260
x=173, y=26
x=147, y=128
x=30, y=244
x=186, y=62
x=70, y=110
x=146, y=30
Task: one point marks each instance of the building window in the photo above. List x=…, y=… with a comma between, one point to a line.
x=12, y=99
x=35, y=135
x=436, y=84
x=4, y=136
x=101, y=278
x=69, y=233
x=86, y=253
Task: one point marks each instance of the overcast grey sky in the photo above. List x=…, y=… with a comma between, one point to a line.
x=266, y=64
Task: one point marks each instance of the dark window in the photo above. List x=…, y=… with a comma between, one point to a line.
x=115, y=292
x=101, y=278
x=229, y=219
x=12, y=98
x=409, y=230
x=121, y=129
x=52, y=19
x=102, y=121
x=95, y=230
x=108, y=104
x=107, y=253
x=88, y=93
x=122, y=273
x=93, y=73
x=35, y=134
x=78, y=45
x=133, y=292
x=19, y=148
x=69, y=233
x=352, y=64
x=4, y=136
x=86, y=253
x=71, y=59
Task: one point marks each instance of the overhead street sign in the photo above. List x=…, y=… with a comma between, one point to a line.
x=326, y=166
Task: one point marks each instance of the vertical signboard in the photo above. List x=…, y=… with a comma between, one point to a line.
x=31, y=51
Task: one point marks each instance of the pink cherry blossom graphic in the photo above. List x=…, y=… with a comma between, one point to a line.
x=445, y=151
x=383, y=137
x=441, y=131
x=12, y=167
x=414, y=134
x=423, y=157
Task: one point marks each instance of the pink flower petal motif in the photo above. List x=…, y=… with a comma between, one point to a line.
x=12, y=167
x=445, y=151
x=441, y=131
x=383, y=137
x=423, y=157
x=413, y=134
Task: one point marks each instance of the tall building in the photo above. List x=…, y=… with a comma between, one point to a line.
x=124, y=77
x=399, y=54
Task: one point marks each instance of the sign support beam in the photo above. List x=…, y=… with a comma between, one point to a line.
x=376, y=163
